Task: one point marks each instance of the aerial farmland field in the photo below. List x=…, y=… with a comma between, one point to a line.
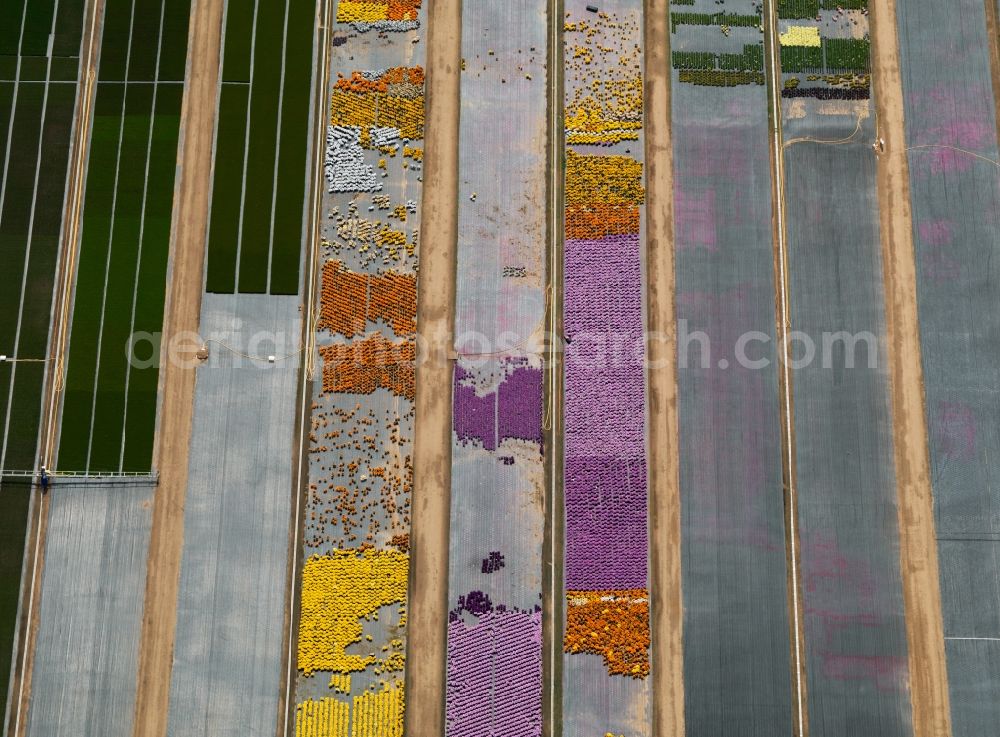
x=460, y=368
x=498, y=464
x=951, y=132
x=733, y=529
x=109, y=406
x=37, y=98
x=260, y=161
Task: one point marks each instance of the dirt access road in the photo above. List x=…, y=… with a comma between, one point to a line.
x=187, y=255
x=430, y=516
x=917, y=537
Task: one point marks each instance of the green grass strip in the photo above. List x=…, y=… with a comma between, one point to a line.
x=17, y=206
x=173, y=52
x=48, y=217
x=64, y=68
x=286, y=251
x=115, y=40
x=141, y=401
x=69, y=28
x=25, y=411
x=11, y=14
x=13, y=529
x=733, y=20
x=227, y=187
x=106, y=444
x=8, y=67
x=844, y=4
x=37, y=26
x=255, y=243
x=98, y=201
x=34, y=68
x=145, y=40
x=6, y=108
x=238, y=37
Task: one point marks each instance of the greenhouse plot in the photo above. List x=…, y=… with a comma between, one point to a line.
x=91, y=605
x=352, y=625
x=856, y=660
x=229, y=631
x=258, y=198
x=109, y=403
x=734, y=572
x=36, y=122
x=494, y=652
x=606, y=547
x=950, y=119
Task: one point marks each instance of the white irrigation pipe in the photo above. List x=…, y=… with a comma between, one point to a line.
x=785, y=368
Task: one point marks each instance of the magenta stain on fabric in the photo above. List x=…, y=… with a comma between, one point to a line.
x=512, y=411
x=936, y=232
x=712, y=154
x=495, y=675
x=955, y=430
x=694, y=220
x=938, y=265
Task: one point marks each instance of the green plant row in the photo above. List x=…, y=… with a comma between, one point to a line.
x=798, y=8
x=682, y=2
x=847, y=54
x=752, y=59
x=721, y=79
x=845, y=4
x=835, y=55
x=694, y=59
x=801, y=58
x=713, y=19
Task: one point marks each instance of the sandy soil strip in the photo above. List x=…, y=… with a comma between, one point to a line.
x=49, y=428
x=428, y=596
x=187, y=256
x=666, y=599
x=993, y=33
x=917, y=538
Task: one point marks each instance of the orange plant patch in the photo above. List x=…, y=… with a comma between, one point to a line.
x=598, y=220
x=364, y=366
x=349, y=300
x=612, y=624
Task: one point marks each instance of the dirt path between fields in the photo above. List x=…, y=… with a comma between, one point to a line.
x=918, y=542
x=666, y=597
x=187, y=251
x=993, y=34
x=428, y=596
